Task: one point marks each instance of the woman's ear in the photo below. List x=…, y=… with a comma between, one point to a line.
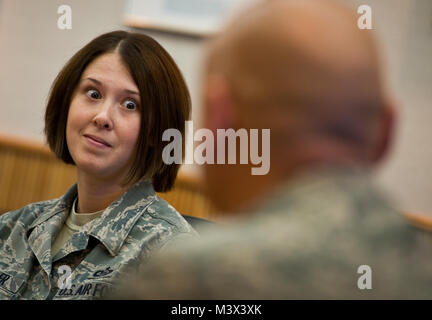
x=386, y=131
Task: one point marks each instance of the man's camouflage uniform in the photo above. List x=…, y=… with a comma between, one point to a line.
x=129, y=230
x=311, y=239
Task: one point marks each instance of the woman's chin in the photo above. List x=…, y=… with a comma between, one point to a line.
x=101, y=168
x=95, y=170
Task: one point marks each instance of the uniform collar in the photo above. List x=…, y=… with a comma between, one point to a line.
x=115, y=223
x=47, y=226
x=61, y=204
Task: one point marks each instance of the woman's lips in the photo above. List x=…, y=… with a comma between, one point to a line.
x=97, y=141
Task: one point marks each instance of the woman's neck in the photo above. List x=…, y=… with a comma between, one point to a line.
x=95, y=194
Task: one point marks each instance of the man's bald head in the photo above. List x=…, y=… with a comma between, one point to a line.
x=304, y=59
x=305, y=70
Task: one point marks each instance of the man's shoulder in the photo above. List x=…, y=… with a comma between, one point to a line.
x=282, y=262
x=306, y=243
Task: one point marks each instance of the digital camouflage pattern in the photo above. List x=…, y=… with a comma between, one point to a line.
x=131, y=229
x=307, y=241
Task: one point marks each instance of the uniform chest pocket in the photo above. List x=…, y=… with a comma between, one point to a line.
x=10, y=285
x=85, y=283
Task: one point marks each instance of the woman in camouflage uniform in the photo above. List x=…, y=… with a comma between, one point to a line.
x=106, y=113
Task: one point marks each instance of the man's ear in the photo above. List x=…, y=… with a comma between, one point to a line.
x=219, y=112
x=386, y=131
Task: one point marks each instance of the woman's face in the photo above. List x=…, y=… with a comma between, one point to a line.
x=104, y=119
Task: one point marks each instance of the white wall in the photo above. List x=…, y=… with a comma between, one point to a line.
x=404, y=28
x=33, y=49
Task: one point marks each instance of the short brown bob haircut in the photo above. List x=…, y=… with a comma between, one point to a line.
x=164, y=96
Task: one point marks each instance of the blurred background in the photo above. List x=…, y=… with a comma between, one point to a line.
x=33, y=50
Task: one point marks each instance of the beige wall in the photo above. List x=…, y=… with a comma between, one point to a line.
x=33, y=49
x=405, y=30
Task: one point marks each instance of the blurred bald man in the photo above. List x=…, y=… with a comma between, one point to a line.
x=314, y=226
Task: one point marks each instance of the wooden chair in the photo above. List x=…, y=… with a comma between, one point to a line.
x=29, y=172
x=419, y=220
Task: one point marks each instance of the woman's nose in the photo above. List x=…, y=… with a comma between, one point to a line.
x=103, y=118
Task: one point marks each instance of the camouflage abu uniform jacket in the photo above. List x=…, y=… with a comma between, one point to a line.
x=326, y=234
x=130, y=229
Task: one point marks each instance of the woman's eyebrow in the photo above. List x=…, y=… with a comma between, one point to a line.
x=100, y=83
x=131, y=92
x=93, y=80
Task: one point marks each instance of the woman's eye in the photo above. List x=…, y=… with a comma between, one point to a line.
x=130, y=105
x=94, y=94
